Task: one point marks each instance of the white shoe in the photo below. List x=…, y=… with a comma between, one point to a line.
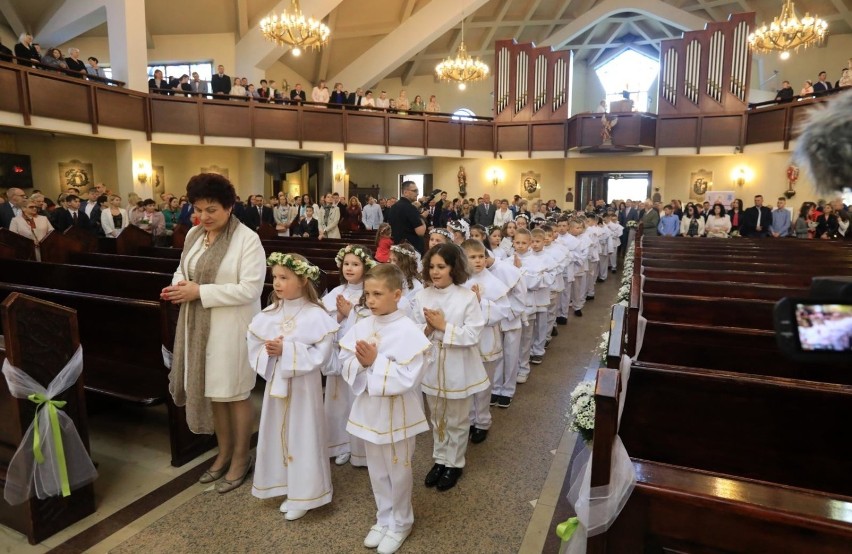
x=293, y=515
x=375, y=536
x=283, y=508
x=341, y=459
x=522, y=378
x=392, y=542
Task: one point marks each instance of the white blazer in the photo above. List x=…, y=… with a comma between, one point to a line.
x=109, y=227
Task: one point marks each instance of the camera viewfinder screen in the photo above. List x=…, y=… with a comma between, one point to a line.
x=825, y=327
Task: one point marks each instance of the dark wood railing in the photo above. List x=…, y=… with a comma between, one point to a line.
x=33, y=91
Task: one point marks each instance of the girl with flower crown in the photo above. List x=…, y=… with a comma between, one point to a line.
x=353, y=261
x=291, y=445
x=407, y=258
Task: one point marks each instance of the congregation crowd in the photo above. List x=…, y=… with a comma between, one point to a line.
x=816, y=87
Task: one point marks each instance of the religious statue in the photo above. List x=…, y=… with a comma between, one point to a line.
x=606, y=128
x=462, y=177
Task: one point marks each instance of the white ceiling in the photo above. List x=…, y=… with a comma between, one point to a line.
x=358, y=25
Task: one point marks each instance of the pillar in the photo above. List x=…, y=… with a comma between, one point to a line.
x=128, y=44
x=133, y=161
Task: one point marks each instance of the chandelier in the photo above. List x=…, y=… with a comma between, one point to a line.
x=462, y=69
x=293, y=29
x=788, y=32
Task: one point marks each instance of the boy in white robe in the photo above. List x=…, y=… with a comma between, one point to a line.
x=291, y=446
x=506, y=372
x=591, y=234
x=570, y=243
x=538, y=280
x=382, y=358
x=559, y=254
x=617, y=230
x=494, y=303
x=582, y=271
x=539, y=261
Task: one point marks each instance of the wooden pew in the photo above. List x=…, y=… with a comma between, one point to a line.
x=23, y=247
x=29, y=321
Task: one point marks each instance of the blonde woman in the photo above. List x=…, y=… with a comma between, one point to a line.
x=433, y=105
x=114, y=219
x=31, y=225
x=402, y=103
x=320, y=94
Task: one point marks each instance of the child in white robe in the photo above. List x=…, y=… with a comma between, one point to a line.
x=382, y=358
x=453, y=321
x=591, y=234
x=506, y=372
x=507, y=237
x=537, y=279
x=581, y=256
x=439, y=236
x=559, y=255
x=495, y=235
x=617, y=230
x=353, y=262
x=492, y=294
x=570, y=243
x=538, y=260
x=407, y=259
x=289, y=342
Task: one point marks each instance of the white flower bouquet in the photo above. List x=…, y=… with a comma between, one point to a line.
x=632, y=224
x=583, y=410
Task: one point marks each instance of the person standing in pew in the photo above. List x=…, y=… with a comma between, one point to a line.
x=258, y=214
x=781, y=220
x=114, y=218
x=756, y=220
x=32, y=225
x=71, y=215
x=308, y=227
x=218, y=285
x=650, y=219
x=329, y=218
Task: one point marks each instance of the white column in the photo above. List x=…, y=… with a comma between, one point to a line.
x=128, y=45
x=133, y=161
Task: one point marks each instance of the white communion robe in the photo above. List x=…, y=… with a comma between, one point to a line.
x=506, y=372
x=338, y=395
x=291, y=446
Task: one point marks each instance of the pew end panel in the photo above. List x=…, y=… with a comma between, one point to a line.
x=40, y=338
x=23, y=247
x=131, y=239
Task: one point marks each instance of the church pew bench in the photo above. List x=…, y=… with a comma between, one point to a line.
x=709, y=311
x=792, y=280
x=738, y=350
x=116, y=261
x=722, y=289
x=23, y=248
x=29, y=321
x=719, y=266
x=770, y=429
x=743, y=243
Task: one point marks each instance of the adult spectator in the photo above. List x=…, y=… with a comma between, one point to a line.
x=736, y=214
x=341, y=205
x=218, y=285
x=418, y=105
x=828, y=226
x=170, y=214
x=284, y=214
x=307, y=201
x=484, y=214
x=432, y=106
x=403, y=104
x=756, y=220
x=237, y=90
x=183, y=85
x=102, y=205
x=39, y=200
x=368, y=101
x=371, y=215
x=404, y=219
x=785, y=93
x=94, y=70
x=503, y=215
x=149, y=219
x=691, y=224
x=781, y=220
x=669, y=225
x=803, y=228
x=383, y=101
x=258, y=214
x=845, y=78
x=807, y=88
x=822, y=86
x=13, y=207
x=157, y=84
x=114, y=218
x=718, y=223
x=26, y=49
x=320, y=95
x=5, y=53
x=338, y=96
x=329, y=218
x=74, y=62
x=220, y=83
x=71, y=215
x=353, y=214
x=53, y=59
x=651, y=219
x=356, y=98
x=297, y=95
x=32, y=225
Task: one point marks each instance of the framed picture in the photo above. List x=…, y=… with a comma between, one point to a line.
x=158, y=181
x=700, y=183
x=725, y=197
x=76, y=174
x=531, y=185
x=223, y=171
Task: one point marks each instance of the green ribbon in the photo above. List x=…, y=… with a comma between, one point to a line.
x=40, y=401
x=565, y=529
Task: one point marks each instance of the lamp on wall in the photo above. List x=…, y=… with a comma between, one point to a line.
x=496, y=175
x=339, y=172
x=141, y=173
x=741, y=176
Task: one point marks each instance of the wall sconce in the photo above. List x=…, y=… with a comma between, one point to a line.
x=741, y=176
x=496, y=176
x=141, y=173
x=339, y=172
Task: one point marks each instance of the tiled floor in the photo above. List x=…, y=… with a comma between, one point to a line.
x=503, y=503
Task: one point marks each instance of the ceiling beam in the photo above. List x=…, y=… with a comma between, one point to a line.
x=410, y=71
x=72, y=19
x=242, y=17
x=608, y=41
x=494, y=25
x=12, y=17
x=652, y=8
x=412, y=36
x=843, y=11
x=322, y=70
x=407, y=9
x=364, y=31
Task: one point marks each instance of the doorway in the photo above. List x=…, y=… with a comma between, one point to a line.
x=611, y=185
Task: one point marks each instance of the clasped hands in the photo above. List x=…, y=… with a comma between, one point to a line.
x=366, y=352
x=343, y=308
x=184, y=291
x=435, y=321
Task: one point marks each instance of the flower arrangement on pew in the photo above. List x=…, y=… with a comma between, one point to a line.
x=623, y=296
x=583, y=410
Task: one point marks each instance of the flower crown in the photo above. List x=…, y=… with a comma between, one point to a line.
x=413, y=254
x=299, y=267
x=459, y=226
x=365, y=257
x=443, y=232
x=522, y=215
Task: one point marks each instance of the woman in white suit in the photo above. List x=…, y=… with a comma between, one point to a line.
x=114, y=219
x=31, y=225
x=218, y=285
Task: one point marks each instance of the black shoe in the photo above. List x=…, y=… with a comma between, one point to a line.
x=547, y=344
x=536, y=359
x=614, y=271
x=470, y=432
x=601, y=280
x=478, y=436
x=562, y=321
x=494, y=399
x=449, y=478
x=555, y=332
x=504, y=402
x=578, y=313
x=589, y=298
x=434, y=475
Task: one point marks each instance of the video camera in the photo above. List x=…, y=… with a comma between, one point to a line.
x=817, y=328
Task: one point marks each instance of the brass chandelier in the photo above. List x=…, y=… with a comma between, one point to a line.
x=293, y=29
x=463, y=68
x=788, y=32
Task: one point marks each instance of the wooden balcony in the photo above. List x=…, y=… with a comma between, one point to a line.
x=34, y=92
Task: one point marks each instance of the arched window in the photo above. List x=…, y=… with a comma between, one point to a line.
x=463, y=114
x=628, y=73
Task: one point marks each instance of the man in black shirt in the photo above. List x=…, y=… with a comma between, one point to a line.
x=785, y=94
x=404, y=219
